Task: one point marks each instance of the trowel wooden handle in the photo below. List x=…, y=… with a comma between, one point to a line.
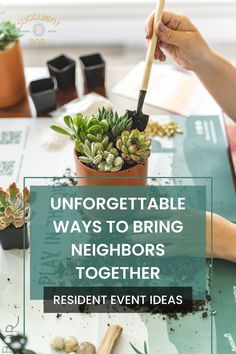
x=109, y=341
x=152, y=45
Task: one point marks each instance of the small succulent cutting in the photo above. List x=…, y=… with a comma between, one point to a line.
x=102, y=155
x=134, y=146
x=117, y=124
x=106, y=142
x=14, y=207
x=9, y=34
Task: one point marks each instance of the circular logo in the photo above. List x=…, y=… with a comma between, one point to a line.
x=38, y=29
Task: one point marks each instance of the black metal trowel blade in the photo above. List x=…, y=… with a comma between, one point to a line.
x=140, y=120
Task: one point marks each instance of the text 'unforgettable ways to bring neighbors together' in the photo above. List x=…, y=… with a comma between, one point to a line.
x=126, y=240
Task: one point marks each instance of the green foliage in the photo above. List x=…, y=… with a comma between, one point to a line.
x=135, y=147
x=82, y=128
x=101, y=155
x=14, y=207
x=112, y=163
x=117, y=124
x=9, y=34
x=106, y=122
x=91, y=152
x=105, y=142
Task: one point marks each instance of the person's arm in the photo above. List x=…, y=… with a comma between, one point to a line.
x=224, y=238
x=219, y=78
x=181, y=39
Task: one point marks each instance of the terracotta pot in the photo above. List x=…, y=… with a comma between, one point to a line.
x=12, y=88
x=97, y=178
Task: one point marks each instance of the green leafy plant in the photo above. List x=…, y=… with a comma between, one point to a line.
x=92, y=153
x=134, y=146
x=9, y=34
x=105, y=142
x=137, y=351
x=14, y=207
x=106, y=122
x=101, y=155
x=117, y=124
x=111, y=162
x=82, y=128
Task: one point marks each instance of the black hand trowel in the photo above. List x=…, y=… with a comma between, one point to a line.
x=140, y=120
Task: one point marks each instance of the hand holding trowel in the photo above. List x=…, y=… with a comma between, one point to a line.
x=140, y=120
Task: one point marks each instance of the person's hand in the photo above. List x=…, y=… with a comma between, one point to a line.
x=223, y=234
x=218, y=229
x=180, y=38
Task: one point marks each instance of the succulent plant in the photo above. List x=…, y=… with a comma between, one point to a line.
x=105, y=142
x=91, y=152
x=82, y=128
x=9, y=34
x=134, y=146
x=102, y=155
x=14, y=207
x=117, y=124
x=112, y=161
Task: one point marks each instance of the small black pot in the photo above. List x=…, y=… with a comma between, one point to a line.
x=43, y=93
x=93, y=68
x=63, y=69
x=12, y=238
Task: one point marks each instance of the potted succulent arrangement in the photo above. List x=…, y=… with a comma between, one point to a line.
x=12, y=88
x=14, y=213
x=107, y=146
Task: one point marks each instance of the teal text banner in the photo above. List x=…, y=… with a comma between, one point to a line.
x=153, y=236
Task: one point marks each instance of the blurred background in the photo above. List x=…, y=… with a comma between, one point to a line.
x=113, y=27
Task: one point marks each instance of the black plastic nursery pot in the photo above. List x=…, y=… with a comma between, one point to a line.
x=13, y=238
x=43, y=93
x=63, y=69
x=93, y=68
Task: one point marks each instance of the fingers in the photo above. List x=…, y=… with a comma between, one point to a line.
x=169, y=36
x=170, y=31
x=149, y=26
x=171, y=20
x=159, y=55
x=163, y=45
x=177, y=21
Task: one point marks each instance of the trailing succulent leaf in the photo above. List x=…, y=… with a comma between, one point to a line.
x=82, y=128
x=117, y=124
x=134, y=146
x=101, y=155
x=137, y=351
x=9, y=34
x=14, y=207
